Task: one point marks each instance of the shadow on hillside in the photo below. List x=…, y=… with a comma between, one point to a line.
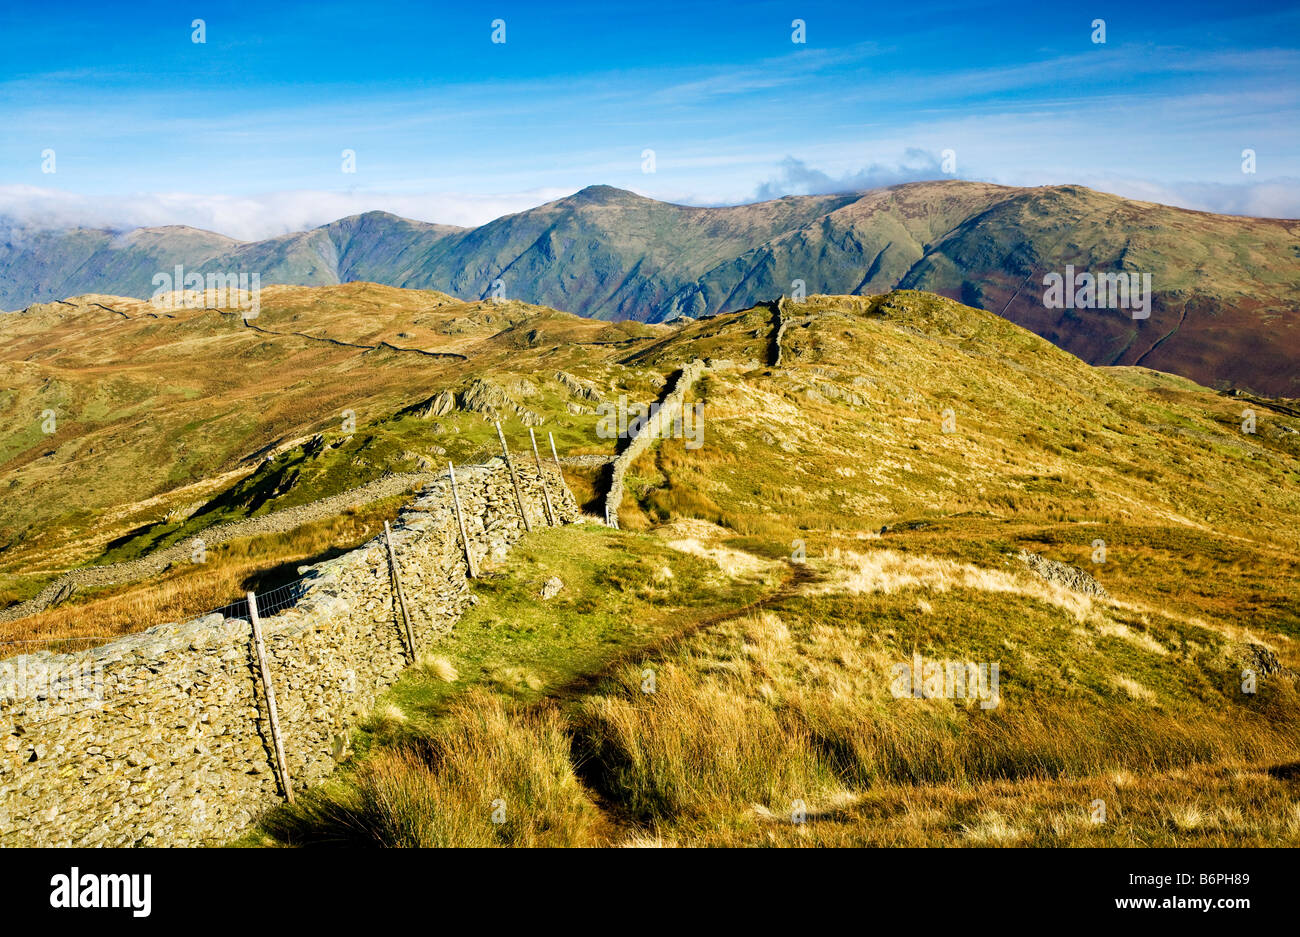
x=270, y=585
x=1286, y=772
x=284, y=573
x=128, y=537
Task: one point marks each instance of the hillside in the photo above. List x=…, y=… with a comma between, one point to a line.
x=876, y=497
x=155, y=412
x=1225, y=289
x=774, y=722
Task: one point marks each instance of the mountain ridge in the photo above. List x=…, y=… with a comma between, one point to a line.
x=1225, y=294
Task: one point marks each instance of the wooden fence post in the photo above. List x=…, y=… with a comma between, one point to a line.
x=272, y=715
x=397, y=587
x=546, y=493
x=460, y=522
x=519, y=495
x=555, y=455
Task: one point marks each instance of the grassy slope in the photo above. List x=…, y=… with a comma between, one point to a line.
x=509, y=658
x=543, y=706
x=160, y=418
x=1134, y=700
x=186, y=590
x=1046, y=451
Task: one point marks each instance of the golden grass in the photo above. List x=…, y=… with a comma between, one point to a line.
x=778, y=726
x=1213, y=806
x=493, y=776
x=890, y=571
x=757, y=716
x=438, y=667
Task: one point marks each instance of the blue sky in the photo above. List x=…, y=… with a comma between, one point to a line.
x=244, y=133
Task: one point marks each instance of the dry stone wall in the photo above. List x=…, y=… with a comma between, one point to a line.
x=780, y=321
x=162, y=738
x=658, y=424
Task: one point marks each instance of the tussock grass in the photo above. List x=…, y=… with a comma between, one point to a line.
x=438, y=667
x=493, y=776
x=675, y=754
x=707, y=743
x=766, y=711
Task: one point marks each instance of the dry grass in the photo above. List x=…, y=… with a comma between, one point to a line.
x=493, y=776
x=890, y=571
x=438, y=667
x=730, y=561
x=1229, y=805
x=758, y=715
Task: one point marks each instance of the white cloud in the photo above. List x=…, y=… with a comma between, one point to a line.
x=254, y=217
x=798, y=178
x=1271, y=198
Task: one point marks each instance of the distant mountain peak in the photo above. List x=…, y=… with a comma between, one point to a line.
x=605, y=194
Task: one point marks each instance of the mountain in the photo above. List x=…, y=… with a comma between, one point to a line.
x=1224, y=289
x=38, y=265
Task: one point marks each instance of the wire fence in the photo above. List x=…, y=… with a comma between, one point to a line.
x=269, y=603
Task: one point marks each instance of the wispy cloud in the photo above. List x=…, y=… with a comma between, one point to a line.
x=245, y=135
x=797, y=178
x=1271, y=198
x=1277, y=197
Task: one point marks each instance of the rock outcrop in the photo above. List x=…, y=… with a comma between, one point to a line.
x=1072, y=577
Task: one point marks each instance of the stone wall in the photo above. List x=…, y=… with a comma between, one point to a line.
x=161, y=738
x=659, y=424
x=779, y=320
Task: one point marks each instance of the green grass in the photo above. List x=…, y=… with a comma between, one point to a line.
x=617, y=601
x=624, y=595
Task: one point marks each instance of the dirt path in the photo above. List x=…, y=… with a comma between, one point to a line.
x=618, y=828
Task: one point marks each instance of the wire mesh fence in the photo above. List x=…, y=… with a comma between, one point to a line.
x=269, y=602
